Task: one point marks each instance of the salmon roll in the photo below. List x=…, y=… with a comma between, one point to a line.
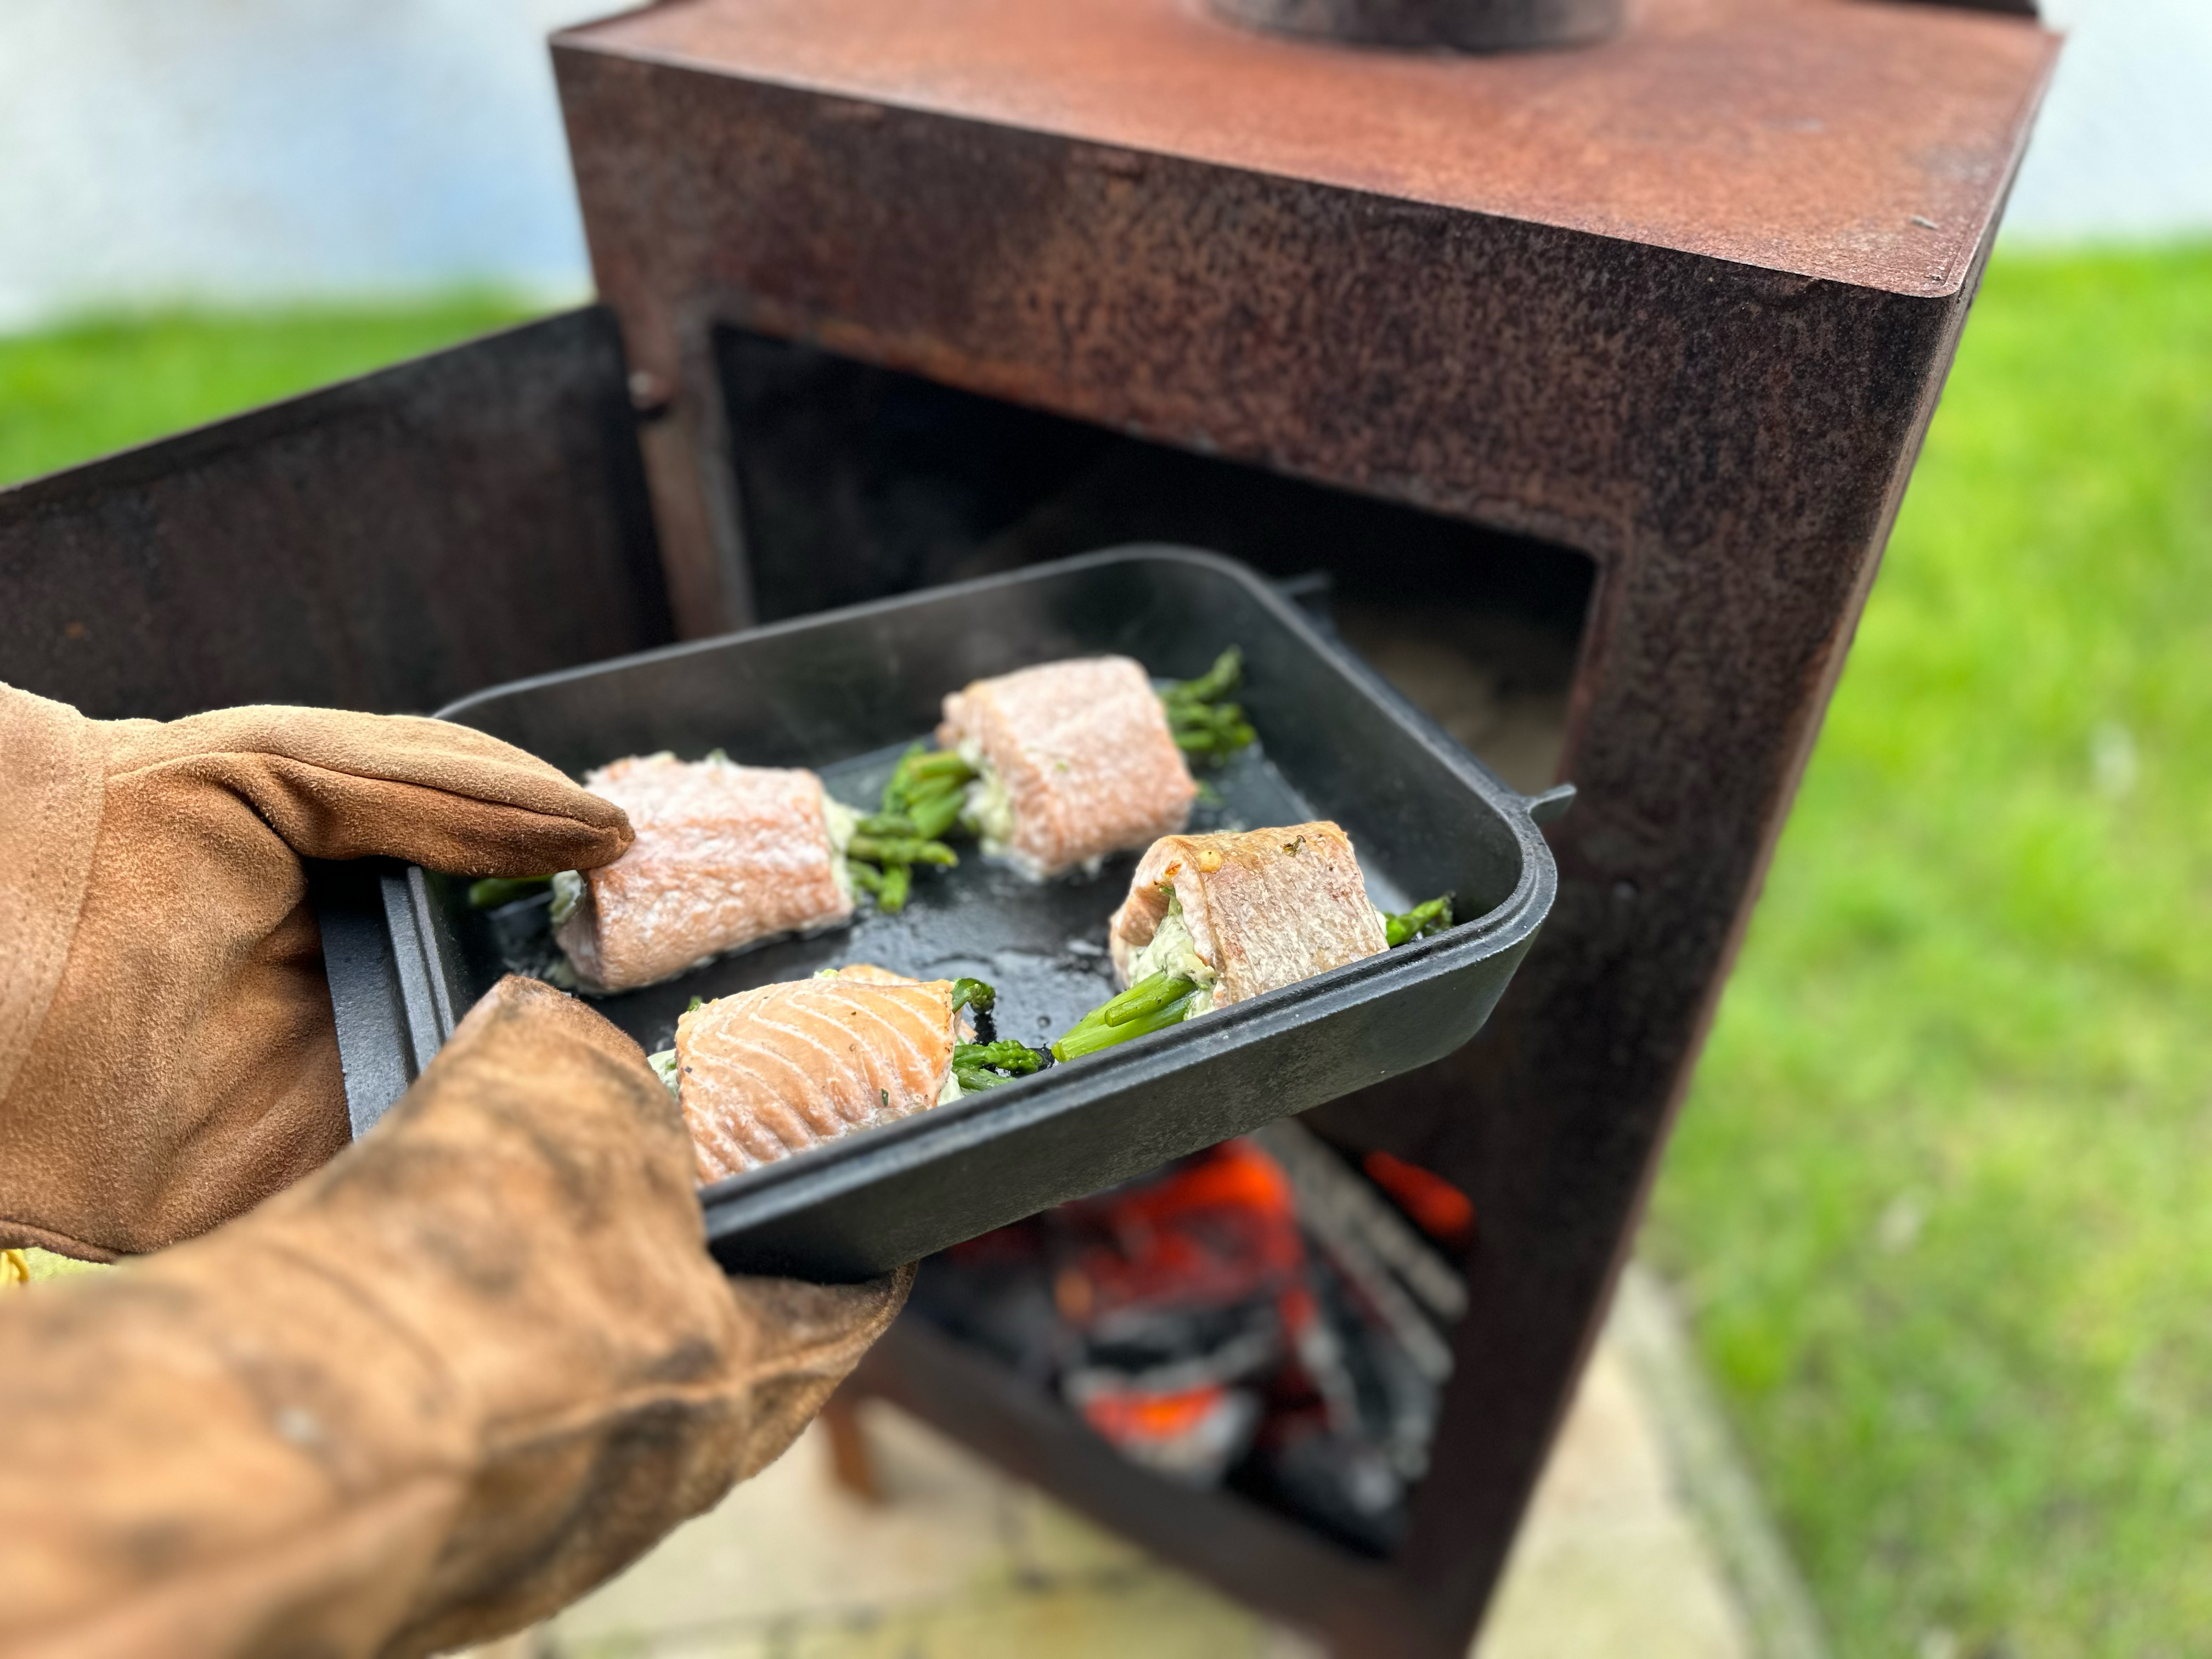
x=1240, y=915
x=776, y=1070
x=1074, y=760
x=725, y=856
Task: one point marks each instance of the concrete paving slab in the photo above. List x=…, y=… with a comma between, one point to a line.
x=960, y=1562
x=1610, y=1561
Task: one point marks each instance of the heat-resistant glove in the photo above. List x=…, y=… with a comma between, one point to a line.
x=430, y=1393
x=168, y=1053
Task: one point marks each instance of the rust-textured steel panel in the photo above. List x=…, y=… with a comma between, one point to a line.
x=1804, y=135
x=1681, y=300
x=1380, y=322
x=386, y=543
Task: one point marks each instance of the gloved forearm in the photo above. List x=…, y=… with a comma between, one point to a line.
x=167, y=1056
x=433, y=1392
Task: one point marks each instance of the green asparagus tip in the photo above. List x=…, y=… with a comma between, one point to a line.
x=986, y=1064
x=1206, y=727
x=495, y=890
x=972, y=994
x=891, y=895
x=1419, y=922
x=945, y=763
x=883, y=824
x=923, y=774
x=937, y=815
x=1217, y=683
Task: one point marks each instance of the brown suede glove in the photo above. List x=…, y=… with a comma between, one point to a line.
x=429, y=1394
x=168, y=1055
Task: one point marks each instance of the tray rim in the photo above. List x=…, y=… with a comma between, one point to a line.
x=854, y=1163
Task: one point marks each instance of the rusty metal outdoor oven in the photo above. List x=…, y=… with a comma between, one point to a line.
x=1630, y=343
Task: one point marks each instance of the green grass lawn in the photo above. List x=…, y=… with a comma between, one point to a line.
x=1942, y=1200
x=74, y=392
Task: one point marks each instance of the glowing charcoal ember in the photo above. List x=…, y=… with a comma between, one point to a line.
x=724, y=855
x=1077, y=761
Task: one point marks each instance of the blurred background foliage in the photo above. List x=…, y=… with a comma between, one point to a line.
x=82, y=389
x=1940, y=1205
x=1941, y=1202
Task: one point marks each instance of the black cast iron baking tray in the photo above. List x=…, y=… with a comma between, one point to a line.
x=843, y=692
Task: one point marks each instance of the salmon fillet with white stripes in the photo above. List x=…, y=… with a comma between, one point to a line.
x=1247, y=913
x=773, y=1070
x=724, y=855
x=1077, y=760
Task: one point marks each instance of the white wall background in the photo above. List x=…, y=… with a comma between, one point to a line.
x=238, y=150
x=2123, y=147
x=235, y=150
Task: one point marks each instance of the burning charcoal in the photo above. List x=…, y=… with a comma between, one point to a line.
x=1257, y=1316
x=1213, y=1231
x=1395, y=1397
x=1338, y=1484
x=1190, y=1435
x=1335, y=1201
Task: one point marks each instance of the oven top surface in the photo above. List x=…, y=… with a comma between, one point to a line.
x=1849, y=140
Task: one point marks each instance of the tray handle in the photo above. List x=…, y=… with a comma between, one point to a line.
x=382, y=987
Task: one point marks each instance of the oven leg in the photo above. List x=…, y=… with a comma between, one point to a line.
x=852, y=1465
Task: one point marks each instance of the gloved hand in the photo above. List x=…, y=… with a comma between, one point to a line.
x=168, y=1055
x=432, y=1393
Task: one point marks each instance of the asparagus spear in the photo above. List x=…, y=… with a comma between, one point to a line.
x=1419, y=922
x=921, y=803
x=986, y=1064
x=1152, y=1004
x=934, y=815
x=898, y=882
x=924, y=772
x=899, y=849
x=1217, y=683
x=494, y=890
x=1206, y=724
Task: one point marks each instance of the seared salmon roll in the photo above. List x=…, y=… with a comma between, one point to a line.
x=1074, y=760
x=724, y=855
x=773, y=1070
x=1239, y=915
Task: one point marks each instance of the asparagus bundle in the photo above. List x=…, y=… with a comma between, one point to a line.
x=921, y=803
x=986, y=1065
x=1207, y=726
